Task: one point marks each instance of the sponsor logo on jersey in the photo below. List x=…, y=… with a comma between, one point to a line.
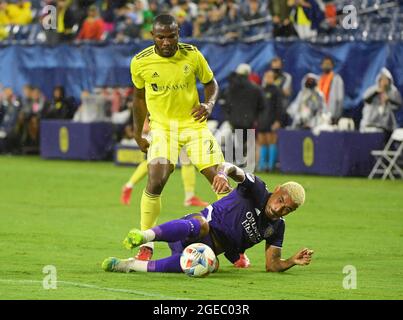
x=268, y=232
x=169, y=87
x=186, y=69
x=250, y=226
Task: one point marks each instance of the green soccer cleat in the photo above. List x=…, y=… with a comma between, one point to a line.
x=133, y=239
x=113, y=264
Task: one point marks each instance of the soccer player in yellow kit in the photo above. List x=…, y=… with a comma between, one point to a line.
x=164, y=76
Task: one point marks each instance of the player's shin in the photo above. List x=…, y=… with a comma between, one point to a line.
x=189, y=180
x=169, y=264
x=150, y=210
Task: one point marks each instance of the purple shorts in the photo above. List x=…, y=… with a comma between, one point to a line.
x=178, y=246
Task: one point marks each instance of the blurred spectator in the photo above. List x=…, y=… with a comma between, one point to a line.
x=93, y=26
x=242, y=102
x=280, y=12
x=215, y=21
x=252, y=12
x=149, y=16
x=282, y=80
x=306, y=16
x=33, y=102
x=127, y=29
x=19, y=12
x=65, y=22
x=144, y=18
x=200, y=25
x=331, y=15
x=332, y=86
x=107, y=10
x=174, y=4
x=270, y=120
x=4, y=20
x=189, y=7
x=60, y=107
x=381, y=100
x=30, y=116
x=185, y=26
x=10, y=108
x=307, y=108
x=232, y=18
x=92, y=108
x=26, y=98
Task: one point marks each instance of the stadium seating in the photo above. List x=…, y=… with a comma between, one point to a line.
x=377, y=20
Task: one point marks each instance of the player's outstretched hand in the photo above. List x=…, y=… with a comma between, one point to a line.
x=303, y=257
x=201, y=112
x=242, y=262
x=143, y=144
x=220, y=184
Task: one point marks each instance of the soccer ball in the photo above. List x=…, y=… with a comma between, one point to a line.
x=198, y=260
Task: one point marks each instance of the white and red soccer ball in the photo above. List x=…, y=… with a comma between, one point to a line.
x=198, y=260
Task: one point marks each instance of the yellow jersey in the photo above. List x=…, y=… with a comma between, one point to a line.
x=170, y=84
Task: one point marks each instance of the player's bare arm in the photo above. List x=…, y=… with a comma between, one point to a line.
x=226, y=169
x=203, y=110
x=274, y=263
x=139, y=115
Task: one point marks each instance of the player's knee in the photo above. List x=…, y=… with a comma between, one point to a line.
x=156, y=183
x=204, y=226
x=204, y=229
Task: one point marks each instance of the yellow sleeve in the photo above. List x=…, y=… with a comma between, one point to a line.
x=203, y=72
x=135, y=71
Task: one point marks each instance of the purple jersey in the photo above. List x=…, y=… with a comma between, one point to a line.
x=239, y=220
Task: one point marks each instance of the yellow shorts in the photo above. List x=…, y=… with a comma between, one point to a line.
x=199, y=144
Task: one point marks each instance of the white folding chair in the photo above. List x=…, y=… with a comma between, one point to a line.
x=387, y=163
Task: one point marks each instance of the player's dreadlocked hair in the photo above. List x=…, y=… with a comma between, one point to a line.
x=296, y=192
x=164, y=19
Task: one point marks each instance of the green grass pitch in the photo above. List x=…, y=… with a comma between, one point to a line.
x=67, y=214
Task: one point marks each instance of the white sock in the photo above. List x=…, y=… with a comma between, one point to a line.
x=189, y=195
x=138, y=265
x=148, y=244
x=149, y=235
x=129, y=185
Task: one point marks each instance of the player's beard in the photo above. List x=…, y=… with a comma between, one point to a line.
x=168, y=51
x=272, y=215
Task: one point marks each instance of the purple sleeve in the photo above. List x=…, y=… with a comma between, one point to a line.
x=277, y=238
x=232, y=256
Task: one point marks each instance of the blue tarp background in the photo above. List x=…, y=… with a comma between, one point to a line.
x=85, y=66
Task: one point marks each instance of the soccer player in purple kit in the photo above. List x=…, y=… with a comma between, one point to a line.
x=247, y=216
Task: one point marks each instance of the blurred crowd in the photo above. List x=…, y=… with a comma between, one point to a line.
x=249, y=101
x=123, y=20
x=20, y=116
x=266, y=105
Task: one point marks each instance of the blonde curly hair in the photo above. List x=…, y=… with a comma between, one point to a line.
x=296, y=192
